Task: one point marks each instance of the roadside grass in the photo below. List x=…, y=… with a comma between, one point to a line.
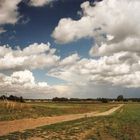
x=122, y=125
x=14, y=110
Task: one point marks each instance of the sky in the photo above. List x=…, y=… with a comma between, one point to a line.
x=70, y=48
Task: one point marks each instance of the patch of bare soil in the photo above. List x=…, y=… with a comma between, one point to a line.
x=7, y=127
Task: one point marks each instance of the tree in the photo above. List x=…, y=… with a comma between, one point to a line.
x=3, y=97
x=103, y=100
x=120, y=98
x=21, y=99
x=60, y=99
x=12, y=98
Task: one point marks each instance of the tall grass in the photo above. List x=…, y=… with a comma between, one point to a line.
x=10, y=105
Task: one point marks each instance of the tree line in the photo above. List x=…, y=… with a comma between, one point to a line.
x=64, y=99
x=103, y=100
x=12, y=98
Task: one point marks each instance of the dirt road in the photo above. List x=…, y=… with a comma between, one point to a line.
x=7, y=127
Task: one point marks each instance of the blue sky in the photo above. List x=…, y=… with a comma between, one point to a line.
x=90, y=53
x=38, y=23
x=41, y=21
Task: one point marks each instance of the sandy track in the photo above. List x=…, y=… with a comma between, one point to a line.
x=7, y=127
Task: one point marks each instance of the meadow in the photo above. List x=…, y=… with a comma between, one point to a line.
x=15, y=110
x=124, y=124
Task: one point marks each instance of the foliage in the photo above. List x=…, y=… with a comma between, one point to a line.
x=120, y=98
x=12, y=98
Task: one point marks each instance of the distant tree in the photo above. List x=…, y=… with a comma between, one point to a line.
x=55, y=99
x=12, y=98
x=60, y=99
x=120, y=98
x=74, y=99
x=103, y=100
x=125, y=100
x=3, y=97
x=21, y=99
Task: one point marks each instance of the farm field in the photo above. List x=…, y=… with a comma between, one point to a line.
x=124, y=124
x=14, y=110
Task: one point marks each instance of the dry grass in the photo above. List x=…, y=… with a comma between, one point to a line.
x=122, y=125
x=10, y=105
x=14, y=110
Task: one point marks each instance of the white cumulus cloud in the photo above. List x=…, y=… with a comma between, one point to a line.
x=32, y=57
x=39, y=3
x=8, y=13
x=114, y=25
x=112, y=70
x=23, y=83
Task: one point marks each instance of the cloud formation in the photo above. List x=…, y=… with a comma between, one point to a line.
x=69, y=30
x=105, y=18
x=9, y=11
x=23, y=83
x=39, y=3
x=117, y=44
x=121, y=69
x=33, y=56
x=115, y=55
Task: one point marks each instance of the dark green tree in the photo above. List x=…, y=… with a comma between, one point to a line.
x=120, y=98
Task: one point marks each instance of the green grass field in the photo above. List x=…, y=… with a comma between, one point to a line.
x=122, y=125
x=13, y=110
